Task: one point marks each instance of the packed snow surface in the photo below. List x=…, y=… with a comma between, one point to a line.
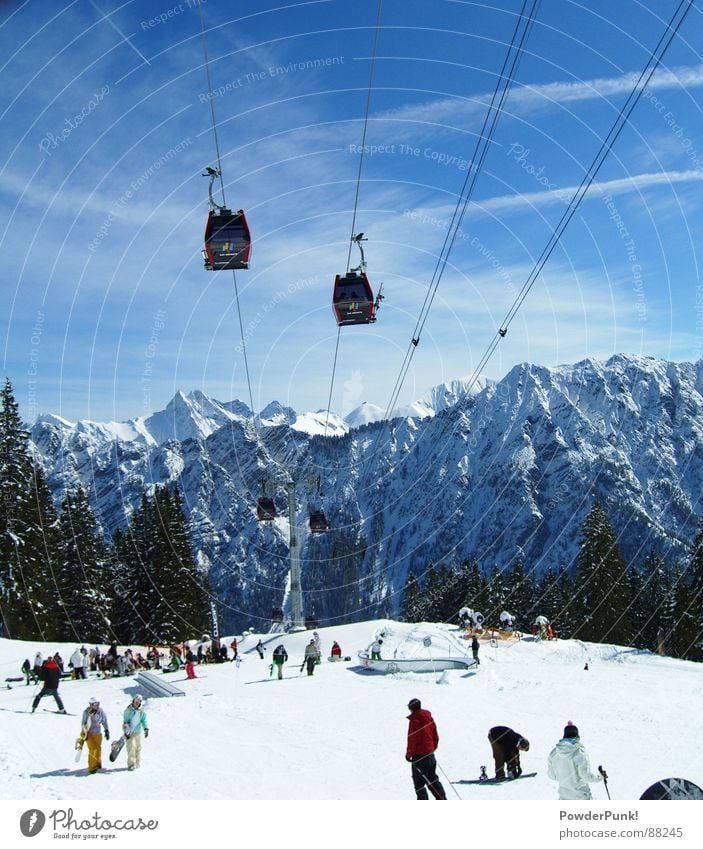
x=340, y=734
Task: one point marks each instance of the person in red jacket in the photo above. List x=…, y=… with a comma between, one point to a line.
x=423, y=740
x=50, y=675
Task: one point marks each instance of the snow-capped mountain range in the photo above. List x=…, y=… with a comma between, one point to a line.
x=510, y=469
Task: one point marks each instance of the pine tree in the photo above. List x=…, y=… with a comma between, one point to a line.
x=85, y=572
x=648, y=591
x=28, y=535
x=497, y=595
x=520, y=599
x=432, y=595
x=472, y=589
x=412, y=605
x=601, y=587
x=684, y=633
x=168, y=597
x=695, y=570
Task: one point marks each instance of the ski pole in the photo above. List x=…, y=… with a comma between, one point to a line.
x=605, y=779
x=448, y=780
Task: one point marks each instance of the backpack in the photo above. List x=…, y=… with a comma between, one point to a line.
x=279, y=652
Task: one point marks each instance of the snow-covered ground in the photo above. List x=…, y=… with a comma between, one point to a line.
x=239, y=734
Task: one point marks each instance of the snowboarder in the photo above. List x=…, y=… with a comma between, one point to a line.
x=38, y=665
x=133, y=724
x=318, y=645
x=423, y=740
x=311, y=657
x=475, y=646
x=260, y=649
x=280, y=656
x=77, y=662
x=336, y=652
x=569, y=765
x=50, y=674
x=92, y=721
x=376, y=649
x=507, y=745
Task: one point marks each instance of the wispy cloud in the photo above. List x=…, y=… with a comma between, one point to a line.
x=528, y=97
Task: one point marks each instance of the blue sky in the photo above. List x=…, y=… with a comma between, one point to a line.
x=106, y=307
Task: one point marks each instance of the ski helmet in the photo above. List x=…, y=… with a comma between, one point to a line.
x=414, y=704
x=137, y=697
x=93, y=701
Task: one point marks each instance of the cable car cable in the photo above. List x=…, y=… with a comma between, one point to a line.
x=481, y=148
x=211, y=98
x=353, y=239
x=506, y=76
x=591, y=173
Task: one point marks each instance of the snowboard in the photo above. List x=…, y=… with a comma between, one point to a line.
x=497, y=780
x=672, y=788
x=116, y=747
x=79, y=746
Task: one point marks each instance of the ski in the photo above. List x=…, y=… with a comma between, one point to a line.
x=495, y=780
x=60, y=713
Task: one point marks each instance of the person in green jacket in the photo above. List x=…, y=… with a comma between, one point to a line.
x=133, y=725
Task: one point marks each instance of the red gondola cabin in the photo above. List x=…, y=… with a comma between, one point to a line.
x=352, y=300
x=318, y=522
x=265, y=510
x=227, y=240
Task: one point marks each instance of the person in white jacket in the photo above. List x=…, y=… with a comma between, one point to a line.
x=569, y=765
x=78, y=661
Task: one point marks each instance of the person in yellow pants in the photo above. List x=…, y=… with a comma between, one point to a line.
x=134, y=725
x=93, y=722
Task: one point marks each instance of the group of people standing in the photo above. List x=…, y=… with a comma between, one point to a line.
x=312, y=655
x=567, y=763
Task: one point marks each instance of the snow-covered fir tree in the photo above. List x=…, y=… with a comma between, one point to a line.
x=29, y=602
x=85, y=572
x=601, y=587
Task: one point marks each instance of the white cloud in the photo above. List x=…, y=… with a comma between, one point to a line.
x=522, y=97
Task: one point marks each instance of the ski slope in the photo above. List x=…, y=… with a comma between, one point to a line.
x=239, y=734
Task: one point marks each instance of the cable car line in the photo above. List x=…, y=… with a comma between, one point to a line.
x=506, y=76
x=352, y=296
x=490, y=122
x=618, y=125
x=212, y=226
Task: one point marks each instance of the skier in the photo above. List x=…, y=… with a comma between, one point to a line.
x=27, y=670
x=280, y=656
x=376, y=649
x=91, y=722
x=38, y=665
x=50, y=674
x=507, y=745
x=336, y=652
x=423, y=740
x=261, y=649
x=133, y=724
x=568, y=764
x=318, y=645
x=190, y=663
x=311, y=657
x=235, y=650
x=475, y=646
